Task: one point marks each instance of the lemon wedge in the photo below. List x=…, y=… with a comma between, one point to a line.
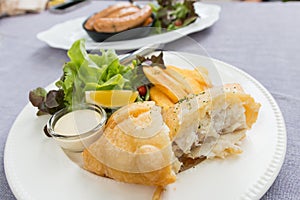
x=111, y=98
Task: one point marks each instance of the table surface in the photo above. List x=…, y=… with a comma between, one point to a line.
x=259, y=38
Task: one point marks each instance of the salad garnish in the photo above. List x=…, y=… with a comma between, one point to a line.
x=92, y=72
x=173, y=14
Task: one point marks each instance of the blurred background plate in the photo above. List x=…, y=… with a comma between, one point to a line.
x=64, y=34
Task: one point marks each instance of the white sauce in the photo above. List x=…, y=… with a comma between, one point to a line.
x=77, y=122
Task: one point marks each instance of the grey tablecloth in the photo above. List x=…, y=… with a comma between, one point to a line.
x=261, y=39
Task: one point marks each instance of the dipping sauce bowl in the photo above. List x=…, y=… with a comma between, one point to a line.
x=78, y=127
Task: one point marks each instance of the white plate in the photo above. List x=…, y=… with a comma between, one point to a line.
x=36, y=168
x=64, y=34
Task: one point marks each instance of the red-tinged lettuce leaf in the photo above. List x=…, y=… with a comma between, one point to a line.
x=37, y=96
x=47, y=103
x=151, y=61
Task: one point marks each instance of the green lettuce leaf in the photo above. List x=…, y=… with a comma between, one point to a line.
x=105, y=58
x=78, y=54
x=92, y=72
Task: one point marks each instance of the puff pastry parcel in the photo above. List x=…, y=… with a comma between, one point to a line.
x=135, y=147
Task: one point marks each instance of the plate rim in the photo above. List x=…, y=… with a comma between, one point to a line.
x=255, y=191
x=258, y=189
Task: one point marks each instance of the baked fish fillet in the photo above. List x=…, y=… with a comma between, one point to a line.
x=212, y=123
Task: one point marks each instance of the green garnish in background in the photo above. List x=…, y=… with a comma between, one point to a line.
x=171, y=14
